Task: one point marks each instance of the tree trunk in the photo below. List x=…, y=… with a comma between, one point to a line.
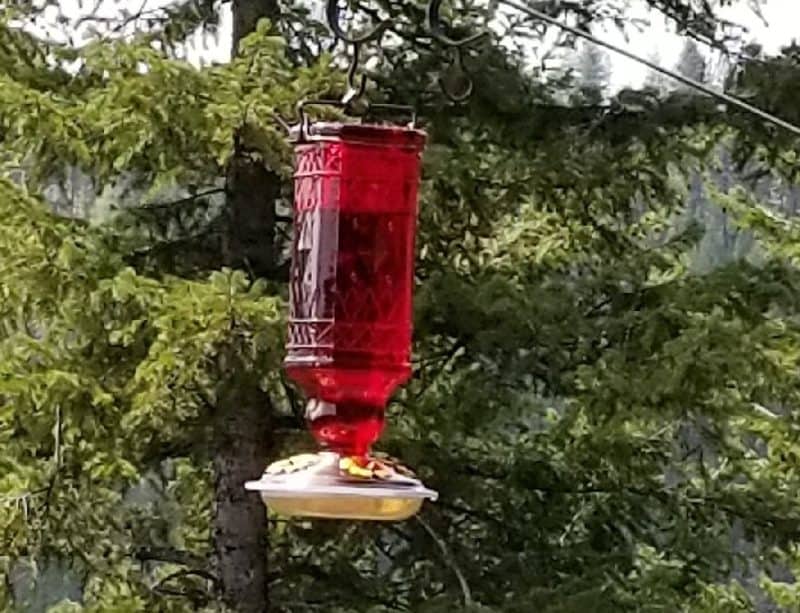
x=249, y=243
x=246, y=14
x=243, y=436
x=242, y=429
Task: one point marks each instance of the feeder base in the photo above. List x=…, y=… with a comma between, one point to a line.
x=345, y=507
x=326, y=485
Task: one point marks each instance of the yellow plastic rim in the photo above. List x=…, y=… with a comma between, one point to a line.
x=345, y=507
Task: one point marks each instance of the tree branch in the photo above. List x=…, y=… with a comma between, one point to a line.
x=192, y=572
x=171, y=556
x=180, y=201
x=450, y=561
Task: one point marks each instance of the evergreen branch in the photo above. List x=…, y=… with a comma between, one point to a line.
x=450, y=561
x=479, y=515
x=662, y=495
x=161, y=246
x=57, y=434
x=181, y=201
x=319, y=574
x=118, y=24
x=443, y=360
x=418, y=39
x=171, y=23
x=169, y=555
x=22, y=499
x=683, y=24
x=196, y=595
x=192, y=572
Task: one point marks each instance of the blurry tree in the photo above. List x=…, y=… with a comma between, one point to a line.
x=692, y=63
x=660, y=83
x=592, y=71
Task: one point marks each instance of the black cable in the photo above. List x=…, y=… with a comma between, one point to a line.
x=732, y=100
x=435, y=26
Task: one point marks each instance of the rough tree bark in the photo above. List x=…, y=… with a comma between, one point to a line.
x=246, y=14
x=243, y=434
x=243, y=429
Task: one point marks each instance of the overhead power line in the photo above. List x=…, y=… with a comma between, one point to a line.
x=727, y=98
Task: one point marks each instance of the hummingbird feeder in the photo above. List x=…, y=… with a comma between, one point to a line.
x=349, y=340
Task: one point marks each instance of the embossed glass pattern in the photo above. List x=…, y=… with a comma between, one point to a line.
x=352, y=276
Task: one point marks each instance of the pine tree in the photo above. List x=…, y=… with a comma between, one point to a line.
x=655, y=80
x=692, y=63
x=167, y=125
x=602, y=423
x=592, y=68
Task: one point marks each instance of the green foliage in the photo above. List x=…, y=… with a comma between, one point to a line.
x=611, y=427
x=104, y=375
x=133, y=108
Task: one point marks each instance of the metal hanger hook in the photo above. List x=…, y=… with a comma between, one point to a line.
x=354, y=90
x=333, y=12
x=434, y=21
x=458, y=64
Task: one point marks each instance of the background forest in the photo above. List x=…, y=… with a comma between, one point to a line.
x=607, y=325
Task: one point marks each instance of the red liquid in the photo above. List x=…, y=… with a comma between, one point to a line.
x=351, y=285
x=349, y=429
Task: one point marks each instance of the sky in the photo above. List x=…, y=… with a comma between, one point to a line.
x=777, y=28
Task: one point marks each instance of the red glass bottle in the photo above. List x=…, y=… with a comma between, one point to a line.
x=355, y=210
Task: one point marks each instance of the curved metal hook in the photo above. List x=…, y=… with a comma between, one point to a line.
x=458, y=62
x=434, y=21
x=354, y=91
x=333, y=12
